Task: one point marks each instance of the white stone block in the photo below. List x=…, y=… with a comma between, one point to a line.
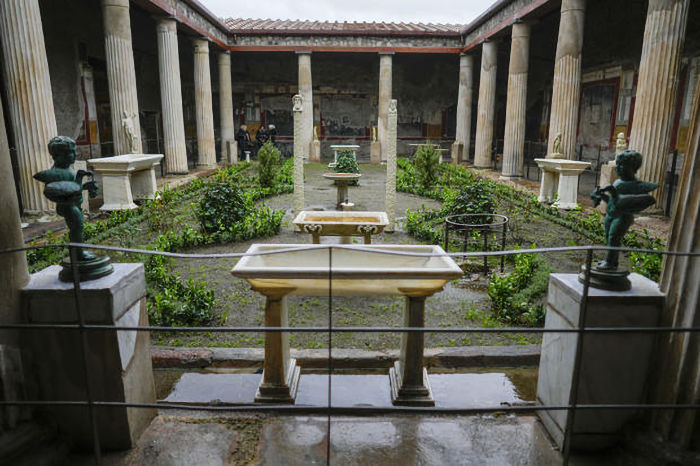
x=614, y=366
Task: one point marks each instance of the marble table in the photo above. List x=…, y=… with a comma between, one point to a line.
x=559, y=185
x=279, y=270
x=125, y=178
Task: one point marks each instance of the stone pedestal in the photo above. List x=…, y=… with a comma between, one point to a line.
x=29, y=99
x=375, y=152
x=228, y=154
x=171, y=98
x=390, y=201
x=315, y=152
x=608, y=175
x=203, y=105
x=487, y=106
x=516, y=104
x=306, y=92
x=464, y=109
x=299, y=154
x=280, y=378
x=119, y=362
x=659, y=74
x=121, y=77
x=125, y=178
x=408, y=378
x=560, y=181
x=385, y=86
x=613, y=366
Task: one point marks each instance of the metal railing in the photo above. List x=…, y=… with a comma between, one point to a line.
x=329, y=410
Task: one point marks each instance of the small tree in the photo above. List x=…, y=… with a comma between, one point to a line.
x=426, y=163
x=346, y=163
x=269, y=157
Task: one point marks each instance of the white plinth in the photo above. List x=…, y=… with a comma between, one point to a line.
x=119, y=362
x=613, y=366
x=559, y=185
x=125, y=178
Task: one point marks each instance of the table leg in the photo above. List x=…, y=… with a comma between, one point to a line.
x=280, y=378
x=408, y=378
x=342, y=194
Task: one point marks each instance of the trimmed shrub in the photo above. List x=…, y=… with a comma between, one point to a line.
x=221, y=207
x=426, y=163
x=269, y=157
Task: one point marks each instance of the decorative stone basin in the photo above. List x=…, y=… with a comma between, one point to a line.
x=125, y=178
x=342, y=180
x=356, y=270
x=560, y=177
x=344, y=223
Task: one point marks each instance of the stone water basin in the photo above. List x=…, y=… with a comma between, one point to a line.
x=341, y=223
x=357, y=270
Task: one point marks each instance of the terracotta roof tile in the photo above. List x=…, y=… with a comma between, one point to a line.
x=276, y=26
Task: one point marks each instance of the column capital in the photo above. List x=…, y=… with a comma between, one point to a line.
x=302, y=52
x=385, y=53
x=165, y=23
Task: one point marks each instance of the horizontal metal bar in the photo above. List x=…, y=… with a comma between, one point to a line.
x=352, y=410
x=510, y=252
x=352, y=329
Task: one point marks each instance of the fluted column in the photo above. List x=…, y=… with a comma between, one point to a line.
x=171, y=97
x=385, y=72
x=516, y=103
x=464, y=109
x=305, y=90
x=657, y=85
x=487, y=105
x=203, y=105
x=390, y=203
x=226, y=108
x=121, y=77
x=29, y=97
x=566, y=88
x=299, y=153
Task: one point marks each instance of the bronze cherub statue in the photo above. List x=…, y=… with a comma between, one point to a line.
x=65, y=187
x=625, y=197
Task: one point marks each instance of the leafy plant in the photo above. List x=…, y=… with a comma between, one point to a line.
x=346, y=162
x=425, y=162
x=222, y=205
x=473, y=199
x=269, y=157
x=515, y=295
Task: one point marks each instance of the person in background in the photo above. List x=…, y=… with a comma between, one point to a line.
x=243, y=140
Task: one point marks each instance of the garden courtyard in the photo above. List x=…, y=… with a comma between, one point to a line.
x=199, y=217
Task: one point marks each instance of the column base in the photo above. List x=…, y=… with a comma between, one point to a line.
x=409, y=395
x=280, y=393
x=510, y=177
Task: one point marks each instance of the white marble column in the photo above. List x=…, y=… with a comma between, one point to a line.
x=487, y=106
x=29, y=98
x=305, y=90
x=203, y=105
x=228, y=143
x=171, y=97
x=390, y=203
x=300, y=154
x=678, y=363
x=121, y=77
x=566, y=87
x=654, y=108
x=385, y=79
x=464, y=109
x=516, y=103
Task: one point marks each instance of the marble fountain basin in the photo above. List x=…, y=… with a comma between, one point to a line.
x=358, y=270
x=342, y=223
x=347, y=177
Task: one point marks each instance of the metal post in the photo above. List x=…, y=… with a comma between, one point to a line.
x=330, y=353
x=486, y=248
x=503, y=243
x=573, y=393
x=84, y=346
